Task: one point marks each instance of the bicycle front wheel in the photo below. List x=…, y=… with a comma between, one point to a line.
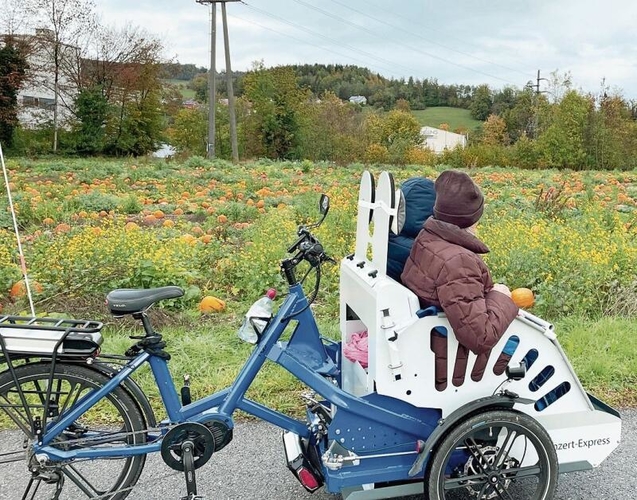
x=494, y=455
x=114, y=421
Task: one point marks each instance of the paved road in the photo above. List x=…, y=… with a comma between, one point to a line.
x=252, y=468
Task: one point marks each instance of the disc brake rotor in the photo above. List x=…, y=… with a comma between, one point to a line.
x=473, y=467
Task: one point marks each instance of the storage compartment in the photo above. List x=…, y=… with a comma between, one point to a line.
x=354, y=375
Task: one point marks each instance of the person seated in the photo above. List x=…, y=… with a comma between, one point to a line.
x=444, y=269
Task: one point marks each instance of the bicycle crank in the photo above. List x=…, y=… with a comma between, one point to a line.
x=198, y=435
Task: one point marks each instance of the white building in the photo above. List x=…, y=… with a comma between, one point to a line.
x=438, y=140
x=36, y=98
x=358, y=99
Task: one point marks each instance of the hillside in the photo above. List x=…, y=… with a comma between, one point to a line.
x=454, y=117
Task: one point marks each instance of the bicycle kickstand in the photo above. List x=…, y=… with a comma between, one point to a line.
x=187, y=448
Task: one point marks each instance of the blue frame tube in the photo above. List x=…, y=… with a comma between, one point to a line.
x=90, y=399
x=233, y=398
x=227, y=400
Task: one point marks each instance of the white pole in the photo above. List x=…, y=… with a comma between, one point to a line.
x=23, y=264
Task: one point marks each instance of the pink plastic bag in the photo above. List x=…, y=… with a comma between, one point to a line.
x=357, y=347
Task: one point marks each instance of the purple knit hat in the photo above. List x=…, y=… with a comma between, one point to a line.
x=459, y=200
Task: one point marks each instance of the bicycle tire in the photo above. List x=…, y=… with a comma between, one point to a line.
x=115, y=413
x=484, y=452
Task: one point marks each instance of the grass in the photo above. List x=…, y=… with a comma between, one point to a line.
x=182, y=86
x=210, y=352
x=206, y=347
x=454, y=117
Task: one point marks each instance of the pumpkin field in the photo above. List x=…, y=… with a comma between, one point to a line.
x=219, y=231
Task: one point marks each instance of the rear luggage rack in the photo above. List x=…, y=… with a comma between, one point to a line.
x=49, y=337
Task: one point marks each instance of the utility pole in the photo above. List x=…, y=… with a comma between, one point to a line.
x=212, y=81
x=537, y=103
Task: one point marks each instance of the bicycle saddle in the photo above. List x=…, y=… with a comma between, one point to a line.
x=133, y=300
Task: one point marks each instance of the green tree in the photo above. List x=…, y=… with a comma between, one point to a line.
x=273, y=129
x=91, y=110
x=13, y=66
x=613, y=138
x=563, y=144
x=190, y=131
x=481, y=103
x=331, y=130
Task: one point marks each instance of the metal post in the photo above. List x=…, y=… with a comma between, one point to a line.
x=232, y=117
x=212, y=82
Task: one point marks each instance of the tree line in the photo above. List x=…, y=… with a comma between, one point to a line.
x=295, y=112
x=110, y=96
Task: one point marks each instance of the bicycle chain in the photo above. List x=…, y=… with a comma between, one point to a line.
x=61, y=464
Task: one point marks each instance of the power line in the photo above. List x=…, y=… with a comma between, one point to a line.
x=315, y=33
x=305, y=42
x=427, y=39
x=333, y=16
x=432, y=28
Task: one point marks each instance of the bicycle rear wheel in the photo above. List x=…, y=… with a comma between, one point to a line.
x=114, y=421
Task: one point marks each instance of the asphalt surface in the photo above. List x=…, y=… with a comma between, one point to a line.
x=252, y=468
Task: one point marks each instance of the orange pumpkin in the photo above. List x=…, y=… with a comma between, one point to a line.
x=19, y=289
x=210, y=304
x=523, y=297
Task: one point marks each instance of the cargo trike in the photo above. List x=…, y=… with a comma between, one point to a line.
x=382, y=428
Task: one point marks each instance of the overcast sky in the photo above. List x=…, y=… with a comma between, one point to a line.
x=498, y=42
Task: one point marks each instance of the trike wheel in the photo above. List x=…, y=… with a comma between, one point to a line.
x=114, y=421
x=496, y=454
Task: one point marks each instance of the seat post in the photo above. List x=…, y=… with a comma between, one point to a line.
x=145, y=323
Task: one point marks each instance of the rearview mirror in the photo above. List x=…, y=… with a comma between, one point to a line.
x=324, y=204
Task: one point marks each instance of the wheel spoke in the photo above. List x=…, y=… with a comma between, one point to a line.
x=37, y=486
x=464, y=481
x=509, y=441
x=504, y=490
x=477, y=454
x=13, y=412
x=81, y=482
x=68, y=403
x=522, y=472
x=483, y=491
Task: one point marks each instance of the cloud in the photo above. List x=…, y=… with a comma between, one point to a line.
x=497, y=42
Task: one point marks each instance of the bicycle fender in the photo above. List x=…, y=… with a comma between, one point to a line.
x=444, y=424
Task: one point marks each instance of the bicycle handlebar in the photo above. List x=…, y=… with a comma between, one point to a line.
x=308, y=248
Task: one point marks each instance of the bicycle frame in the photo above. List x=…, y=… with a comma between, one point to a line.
x=305, y=356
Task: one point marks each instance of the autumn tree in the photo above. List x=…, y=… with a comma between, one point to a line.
x=64, y=25
x=494, y=131
x=125, y=67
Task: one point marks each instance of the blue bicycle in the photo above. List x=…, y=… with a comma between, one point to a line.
x=88, y=426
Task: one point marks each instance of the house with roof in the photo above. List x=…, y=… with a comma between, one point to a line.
x=358, y=99
x=36, y=98
x=438, y=140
